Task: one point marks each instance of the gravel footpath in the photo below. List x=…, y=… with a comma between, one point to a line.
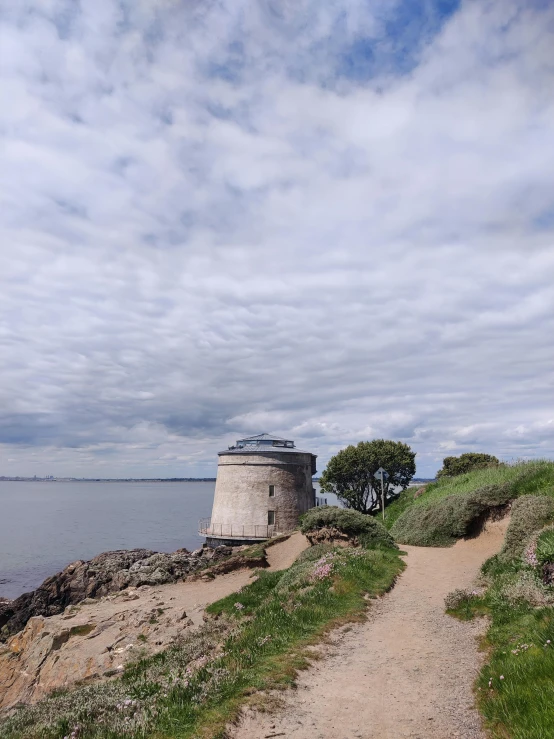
x=407, y=672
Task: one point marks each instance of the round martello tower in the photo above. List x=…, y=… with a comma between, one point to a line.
x=264, y=483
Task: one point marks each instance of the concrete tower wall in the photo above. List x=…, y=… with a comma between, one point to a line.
x=242, y=489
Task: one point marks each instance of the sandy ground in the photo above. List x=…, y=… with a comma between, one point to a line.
x=407, y=672
x=96, y=639
x=281, y=556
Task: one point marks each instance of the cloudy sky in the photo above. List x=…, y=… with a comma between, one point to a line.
x=333, y=221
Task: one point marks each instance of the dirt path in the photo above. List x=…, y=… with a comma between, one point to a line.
x=281, y=556
x=407, y=672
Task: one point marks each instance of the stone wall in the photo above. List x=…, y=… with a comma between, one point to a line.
x=242, y=489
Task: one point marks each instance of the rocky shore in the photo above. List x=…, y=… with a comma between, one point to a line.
x=86, y=623
x=108, y=573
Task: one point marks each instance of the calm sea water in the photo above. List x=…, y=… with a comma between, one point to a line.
x=46, y=525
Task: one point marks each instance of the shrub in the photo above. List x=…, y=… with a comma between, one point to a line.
x=452, y=466
x=349, y=522
x=450, y=518
x=529, y=513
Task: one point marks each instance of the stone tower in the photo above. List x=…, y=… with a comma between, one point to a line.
x=263, y=485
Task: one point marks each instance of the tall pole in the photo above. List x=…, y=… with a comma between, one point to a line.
x=383, y=495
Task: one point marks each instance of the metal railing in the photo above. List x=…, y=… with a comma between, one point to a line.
x=320, y=501
x=234, y=530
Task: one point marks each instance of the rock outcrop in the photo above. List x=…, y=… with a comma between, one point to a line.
x=110, y=572
x=96, y=639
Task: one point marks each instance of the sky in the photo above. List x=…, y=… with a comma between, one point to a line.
x=329, y=221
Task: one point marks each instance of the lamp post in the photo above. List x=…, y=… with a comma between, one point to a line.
x=382, y=475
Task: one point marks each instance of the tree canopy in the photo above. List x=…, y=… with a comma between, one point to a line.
x=465, y=463
x=350, y=474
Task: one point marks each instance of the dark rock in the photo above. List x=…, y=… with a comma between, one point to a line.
x=6, y=611
x=548, y=573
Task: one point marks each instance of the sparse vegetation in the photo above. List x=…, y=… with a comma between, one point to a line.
x=256, y=640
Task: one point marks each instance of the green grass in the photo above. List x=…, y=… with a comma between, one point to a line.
x=545, y=546
x=524, y=477
x=395, y=509
x=256, y=640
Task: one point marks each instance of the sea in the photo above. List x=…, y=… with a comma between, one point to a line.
x=45, y=525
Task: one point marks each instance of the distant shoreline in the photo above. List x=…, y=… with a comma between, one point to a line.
x=3, y=478
x=107, y=479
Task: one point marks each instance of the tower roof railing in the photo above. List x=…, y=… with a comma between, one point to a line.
x=263, y=440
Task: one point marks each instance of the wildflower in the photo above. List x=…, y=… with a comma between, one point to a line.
x=323, y=567
x=502, y=677
x=239, y=606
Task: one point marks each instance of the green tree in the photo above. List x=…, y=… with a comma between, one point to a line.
x=452, y=466
x=350, y=474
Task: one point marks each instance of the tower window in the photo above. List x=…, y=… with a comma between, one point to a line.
x=272, y=491
x=271, y=518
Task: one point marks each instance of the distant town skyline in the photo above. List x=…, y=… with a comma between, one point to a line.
x=333, y=222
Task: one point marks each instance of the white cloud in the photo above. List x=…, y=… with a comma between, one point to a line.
x=217, y=220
